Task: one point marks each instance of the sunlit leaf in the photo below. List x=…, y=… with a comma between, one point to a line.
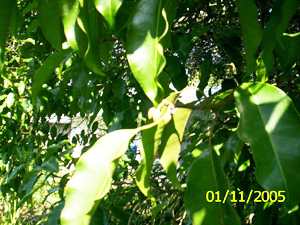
x=151, y=140
x=171, y=142
x=70, y=12
x=109, y=9
x=270, y=123
x=145, y=53
x=93, y=176
x=10, y=99
x=150, y=148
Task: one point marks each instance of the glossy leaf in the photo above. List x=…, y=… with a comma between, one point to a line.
x=45, y=72
x=93, y=176
x=171, y=142
x=50, y=21
x=252, y=31
x=109, y=9
x=70, y=12
x=145, y=31
x=206, y=175
x=275, y=144
x=277, y=24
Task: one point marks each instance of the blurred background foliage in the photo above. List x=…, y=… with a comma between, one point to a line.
x=49, y=116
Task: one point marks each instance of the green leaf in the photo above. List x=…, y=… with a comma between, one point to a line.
x=109, y=9
x=50, y=21
x=232, y=148
x=288, y=49
x=7, y=10
x=150, y=139
x=261, y=70
x=251, y=31
x=53, y=217
x=171, y=142
x=175, y=70
x=45, y=72
x=282, y=12
x=93, y=176
x=270, y=123
x=70, y=12
x=206, y=175
x=146, y=29
x=10, y=99
x=92, y=25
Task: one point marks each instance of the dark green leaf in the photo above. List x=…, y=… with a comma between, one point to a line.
x=44, y=73
x=288, y=49
x=53, y=218
x=282, y=12
x=7, y=10
x=93, y=26
x=252, y=31
x=50, y=21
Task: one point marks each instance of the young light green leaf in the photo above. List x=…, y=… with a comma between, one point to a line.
x=144, y=51
x=171, y=142
x=206, y=175
x=109, y=9
x=261, y=70
x=270, y=123
x=252, y=31
x=282, y=12
x=70, y=12
x=50, y=21
x=44, y=73
x=93, y=176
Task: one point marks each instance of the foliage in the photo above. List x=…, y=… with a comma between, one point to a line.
x=173, y=98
